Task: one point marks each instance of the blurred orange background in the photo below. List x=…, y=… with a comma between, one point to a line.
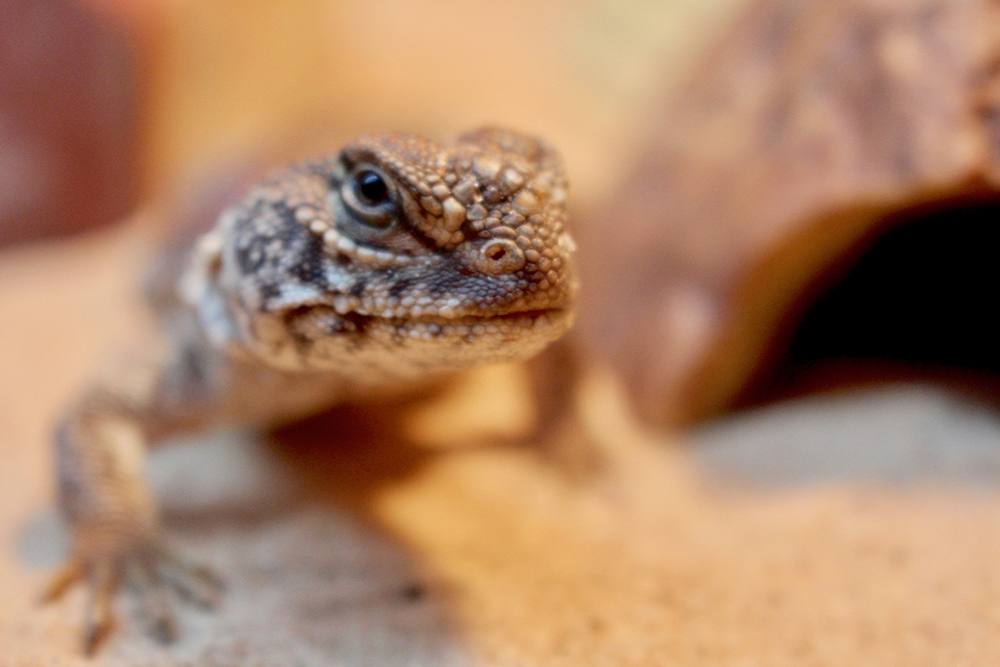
x=844, y=517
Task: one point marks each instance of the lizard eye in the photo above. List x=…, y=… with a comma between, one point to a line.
x=371, y=188
x=368, y=194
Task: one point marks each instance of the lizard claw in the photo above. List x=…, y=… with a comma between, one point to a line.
x=102, y=583
x=153, y=577
x=61, y=581
x=193, y=583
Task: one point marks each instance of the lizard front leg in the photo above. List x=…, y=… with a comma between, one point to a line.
x=103, y=494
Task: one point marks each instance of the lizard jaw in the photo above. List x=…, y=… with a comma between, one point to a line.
x=318, y=338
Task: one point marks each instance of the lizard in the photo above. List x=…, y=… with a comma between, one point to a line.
x=369, y=272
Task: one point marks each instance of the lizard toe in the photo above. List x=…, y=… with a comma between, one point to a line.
x=193, y=583
x=153, y=576
x=102, y=580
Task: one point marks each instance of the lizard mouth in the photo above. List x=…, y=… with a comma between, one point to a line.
x=350, y=308
x=516, y=315
x=424, y=343
x=505, y=324
x=531, y=313
x=487, y=338
x=513, y=318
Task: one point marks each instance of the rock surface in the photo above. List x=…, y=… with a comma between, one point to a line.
x=807, y=133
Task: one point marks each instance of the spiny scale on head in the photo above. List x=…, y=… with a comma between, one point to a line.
x=488, y=180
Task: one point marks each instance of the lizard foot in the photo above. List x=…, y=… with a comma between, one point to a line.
x=154, y=576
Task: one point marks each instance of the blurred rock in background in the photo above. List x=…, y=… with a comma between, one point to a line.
x=829, y=148
x=69, y=111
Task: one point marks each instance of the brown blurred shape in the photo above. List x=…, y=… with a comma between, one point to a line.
x=68, y=118
x=815, y=129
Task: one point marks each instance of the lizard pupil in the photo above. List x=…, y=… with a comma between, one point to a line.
x=372, y=188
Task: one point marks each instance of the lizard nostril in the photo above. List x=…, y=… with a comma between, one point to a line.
x=502, y=256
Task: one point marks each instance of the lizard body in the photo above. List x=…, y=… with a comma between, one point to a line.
x=381, y=269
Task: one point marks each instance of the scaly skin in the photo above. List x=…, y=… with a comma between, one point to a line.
x=380, y=269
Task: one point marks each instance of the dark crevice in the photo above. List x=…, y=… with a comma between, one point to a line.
x=918, y=302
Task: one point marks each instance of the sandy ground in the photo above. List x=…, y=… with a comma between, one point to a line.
x=909, y=435
x=780, y=537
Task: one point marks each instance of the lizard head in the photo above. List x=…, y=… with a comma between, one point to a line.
x=401, y=255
